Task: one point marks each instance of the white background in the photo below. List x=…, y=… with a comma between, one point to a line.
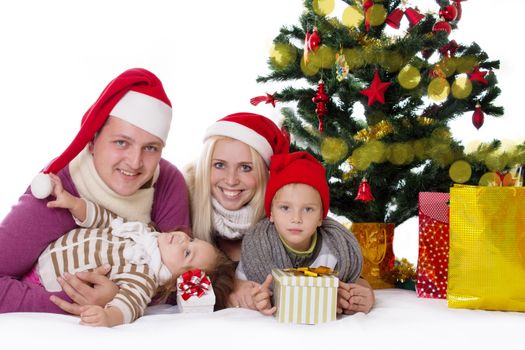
x=57, y=55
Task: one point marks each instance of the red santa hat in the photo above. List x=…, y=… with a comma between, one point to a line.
x=296, y=167
x=253, y=129
x=136, y=96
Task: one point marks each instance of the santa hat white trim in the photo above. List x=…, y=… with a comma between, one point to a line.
x=242, y=133
x=145, y=112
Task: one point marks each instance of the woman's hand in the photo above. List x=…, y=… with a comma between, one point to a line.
x=86, y=288
x=355, y=297
x=242, y=295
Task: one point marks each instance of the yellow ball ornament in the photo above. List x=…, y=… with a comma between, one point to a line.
x=354, y=58
x=360, y=159
x=376, y=151
x=466, y=64
x=401, y=153
x=409, y=77
x=460, y=171
x=496, y=162
x=490, y=179
x=461, y=87
x=392, y=61
x=333, y=149
x=448, y=66
x=438, y=89
x=309, y=69
x=376, y=15
x=323, y=7
x=282, y=55
x=352, y=17
x=324, y=57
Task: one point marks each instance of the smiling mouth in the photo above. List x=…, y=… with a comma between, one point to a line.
x=230, y=193
x=128, y=173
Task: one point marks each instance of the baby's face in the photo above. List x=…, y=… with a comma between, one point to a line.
x=180, y=252
x=297, y=211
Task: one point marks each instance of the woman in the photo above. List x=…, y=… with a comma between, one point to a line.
x=115, y=161
x=228, y=181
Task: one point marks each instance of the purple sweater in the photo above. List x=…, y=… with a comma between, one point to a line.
x=30, y=227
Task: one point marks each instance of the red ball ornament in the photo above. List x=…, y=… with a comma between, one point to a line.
x=449, y=13
x=314, y=40
x=478, y=117
x=442, y=26
x=364, y=193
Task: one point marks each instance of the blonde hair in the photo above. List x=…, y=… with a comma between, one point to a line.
x=198, y=180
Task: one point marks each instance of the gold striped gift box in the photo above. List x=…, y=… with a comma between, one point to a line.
x=304, y=299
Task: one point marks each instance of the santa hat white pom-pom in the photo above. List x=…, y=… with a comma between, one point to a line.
x=41, y=186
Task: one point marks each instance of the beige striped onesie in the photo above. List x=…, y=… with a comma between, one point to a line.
x=129, y=247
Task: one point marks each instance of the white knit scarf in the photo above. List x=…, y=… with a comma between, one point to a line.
x=90, y=186
x=231, y=224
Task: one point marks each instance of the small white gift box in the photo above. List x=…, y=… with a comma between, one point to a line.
x=194, y=292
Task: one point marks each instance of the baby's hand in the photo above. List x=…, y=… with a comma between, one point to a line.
x=63, y=197
x=262, y=297
x=94, y=316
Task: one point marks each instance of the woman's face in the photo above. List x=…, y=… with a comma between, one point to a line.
x=233, y=178
x=125, y=156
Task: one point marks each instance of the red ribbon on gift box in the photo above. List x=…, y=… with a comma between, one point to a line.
x=194, y=283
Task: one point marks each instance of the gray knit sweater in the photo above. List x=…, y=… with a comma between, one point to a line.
x=262, y=250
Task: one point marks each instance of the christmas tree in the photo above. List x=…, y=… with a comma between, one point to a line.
x=372, y=94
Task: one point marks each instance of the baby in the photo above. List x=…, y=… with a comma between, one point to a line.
x=141, y=259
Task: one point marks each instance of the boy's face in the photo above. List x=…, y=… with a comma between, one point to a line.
x=297, y=211
x=181, y=253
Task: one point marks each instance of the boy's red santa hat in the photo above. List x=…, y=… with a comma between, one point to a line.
x=253, y=129
x=137, y=97
x=296, y=167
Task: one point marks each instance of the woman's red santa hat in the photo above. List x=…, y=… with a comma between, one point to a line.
x=254, y=130
x=296, y=167
x=137, y=97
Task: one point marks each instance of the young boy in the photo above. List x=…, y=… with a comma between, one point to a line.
x=297, y=233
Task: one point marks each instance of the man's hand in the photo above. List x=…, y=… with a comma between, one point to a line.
x=86, y=288
x=262, y=297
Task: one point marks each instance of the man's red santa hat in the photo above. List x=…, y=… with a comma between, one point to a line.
x=137, y=97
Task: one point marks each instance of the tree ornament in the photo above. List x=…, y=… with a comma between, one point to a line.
x=267, y=99
x=460, y=171
x=282, y=55
x=414, y=17
x=341, y=66
x=376, y=91
x=323, y=7
x=311, y=43
x=478, y=76
x=320, y=100
x=394, y=18
x=449, y=13
x=366, y=5
x=409, y=77
x=442, y=26
x=364, y=193
x=457, y=4
x=461, y=87
x=438, y=89
x=449, y=50
x=478, y=117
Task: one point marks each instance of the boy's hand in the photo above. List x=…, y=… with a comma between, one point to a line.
x=63, y=199
x=262, y=297
x=242, y=295
x=354, y=297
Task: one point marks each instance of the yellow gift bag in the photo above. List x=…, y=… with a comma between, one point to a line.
x=486, y=267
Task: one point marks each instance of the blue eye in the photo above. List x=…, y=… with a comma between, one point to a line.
x=246, y=168
x=218, y=165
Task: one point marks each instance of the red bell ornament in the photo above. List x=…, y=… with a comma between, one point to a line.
x=394, y=18
x=449, y=13
x=414, y=17
x=364, y=193
x=478, y=117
